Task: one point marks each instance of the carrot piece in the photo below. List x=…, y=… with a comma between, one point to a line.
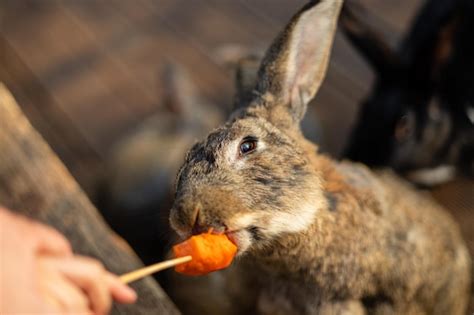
x=210, y=252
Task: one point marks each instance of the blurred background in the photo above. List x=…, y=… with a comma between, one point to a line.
x=88, y=73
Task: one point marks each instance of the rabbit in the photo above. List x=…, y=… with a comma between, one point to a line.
x=137, y=190
x=315, y=235
x=419, y=116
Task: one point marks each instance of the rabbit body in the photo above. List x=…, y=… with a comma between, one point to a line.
x=375, y=247
x=314, y=235
x=370, y=245
x=418, y=117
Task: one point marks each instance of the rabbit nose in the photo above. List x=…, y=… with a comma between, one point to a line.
x=201, y=225
x=198, y=228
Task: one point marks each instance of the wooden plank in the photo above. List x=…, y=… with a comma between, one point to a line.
x=34, y=182
x=84, y=162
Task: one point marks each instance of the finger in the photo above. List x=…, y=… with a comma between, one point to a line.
x=89, y=275
x=66, y=298
x=121, y=293
x=50, y=241
x=59, y=292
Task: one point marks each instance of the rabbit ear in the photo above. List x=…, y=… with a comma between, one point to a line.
x=428, y=44
x=178, y=91
x=245, y=79
x=369, y=43
x=295, y=64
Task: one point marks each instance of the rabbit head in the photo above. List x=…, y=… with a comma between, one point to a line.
x=410, y=119
x=252, y=178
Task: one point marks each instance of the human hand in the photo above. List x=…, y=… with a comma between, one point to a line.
x=80, y=284
x=30, y=252
x=21, y=242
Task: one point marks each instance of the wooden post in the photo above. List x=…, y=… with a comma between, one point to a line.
x=33, y=181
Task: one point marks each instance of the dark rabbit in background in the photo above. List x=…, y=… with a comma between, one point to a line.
x=419, y=116
x=137, y=190
x=315, y=236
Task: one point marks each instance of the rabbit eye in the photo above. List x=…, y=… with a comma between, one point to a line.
x=248, y=145
x=404, y=128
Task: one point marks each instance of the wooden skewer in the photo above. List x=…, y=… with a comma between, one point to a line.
x=146, y=271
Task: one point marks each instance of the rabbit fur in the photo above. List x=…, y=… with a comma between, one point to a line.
x=419, y=115
x=315, y=236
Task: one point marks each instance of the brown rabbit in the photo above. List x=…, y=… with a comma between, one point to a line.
x=316, y=236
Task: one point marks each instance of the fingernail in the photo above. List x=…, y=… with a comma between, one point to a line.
x=131, y=294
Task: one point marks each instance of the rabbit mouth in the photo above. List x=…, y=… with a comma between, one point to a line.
x=244, y=237
x=233, y=236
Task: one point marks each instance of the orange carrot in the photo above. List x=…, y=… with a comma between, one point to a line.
x=210, y=252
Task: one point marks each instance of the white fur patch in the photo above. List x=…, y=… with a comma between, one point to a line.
x=244, y=220
x=433, y=176
x=232, y=153
x=470, y=113
x=294, y=221
x=415, y=236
